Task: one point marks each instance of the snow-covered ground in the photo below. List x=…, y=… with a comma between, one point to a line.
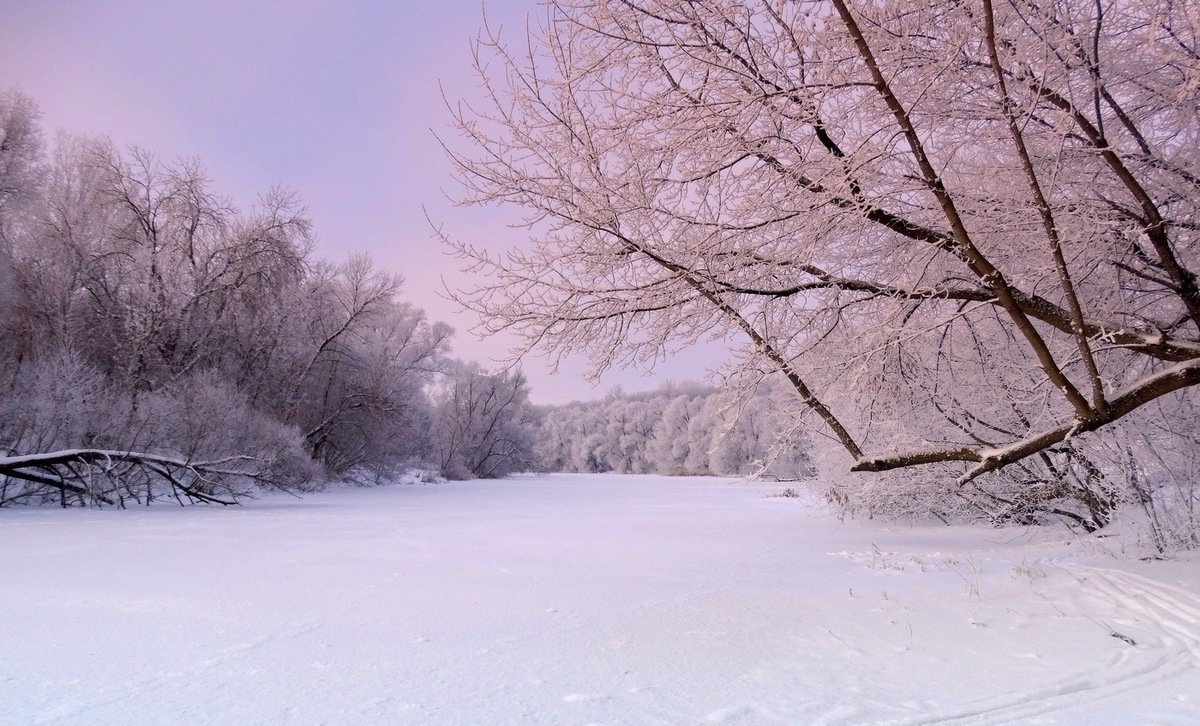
x=579, y=599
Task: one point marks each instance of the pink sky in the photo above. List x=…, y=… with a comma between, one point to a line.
x=336, y=101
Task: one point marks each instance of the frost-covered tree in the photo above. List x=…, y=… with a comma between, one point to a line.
x=20, y=183
x=673, y=430
x=556, y=430
x=670, y=445
x=349, y=364
x=160, y=344
x=964, y=233
x=480, y=423
x=20, y=151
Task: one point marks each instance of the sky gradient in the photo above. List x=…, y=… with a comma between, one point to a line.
x=336, y=101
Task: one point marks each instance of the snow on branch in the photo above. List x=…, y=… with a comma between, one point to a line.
x=990, y=459
x=960, y=223
x=112, y=477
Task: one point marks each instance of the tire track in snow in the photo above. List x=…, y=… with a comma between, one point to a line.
x=1172, y=615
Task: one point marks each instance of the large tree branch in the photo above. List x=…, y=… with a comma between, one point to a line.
x=1044, y=212
x=1157, y=228
x=978, y=263
x=988, y=459
x=764, y=346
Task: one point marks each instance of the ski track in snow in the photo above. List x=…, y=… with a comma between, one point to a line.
x=1167, y=621
x=1175, y=611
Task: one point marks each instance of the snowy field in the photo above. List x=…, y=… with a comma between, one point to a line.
x=574, y=599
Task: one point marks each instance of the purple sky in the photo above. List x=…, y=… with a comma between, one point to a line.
x=334, y=100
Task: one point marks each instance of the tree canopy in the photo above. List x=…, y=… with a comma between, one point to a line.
x=965, y=233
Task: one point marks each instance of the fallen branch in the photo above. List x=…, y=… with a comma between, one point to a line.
x=74, y=471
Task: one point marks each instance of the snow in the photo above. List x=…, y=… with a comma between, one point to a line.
x=578, y=599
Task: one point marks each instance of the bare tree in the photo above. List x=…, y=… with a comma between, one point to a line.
x=965, y=233
x=160, y=344
x=20, y=150
x=480, y=426
x=20, y=185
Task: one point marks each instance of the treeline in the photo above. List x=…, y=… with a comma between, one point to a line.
x=678, y=430
x=155, y=341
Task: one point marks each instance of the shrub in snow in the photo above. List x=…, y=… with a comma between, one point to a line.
x=74, y=440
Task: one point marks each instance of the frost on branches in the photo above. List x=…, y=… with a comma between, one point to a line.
x=964, y=233
x=159, y=345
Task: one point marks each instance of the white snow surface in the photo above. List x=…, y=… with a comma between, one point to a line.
x=579, y=599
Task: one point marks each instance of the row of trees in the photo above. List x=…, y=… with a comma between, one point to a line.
x=155, y=341
x=965, y=233
x=676, y=430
